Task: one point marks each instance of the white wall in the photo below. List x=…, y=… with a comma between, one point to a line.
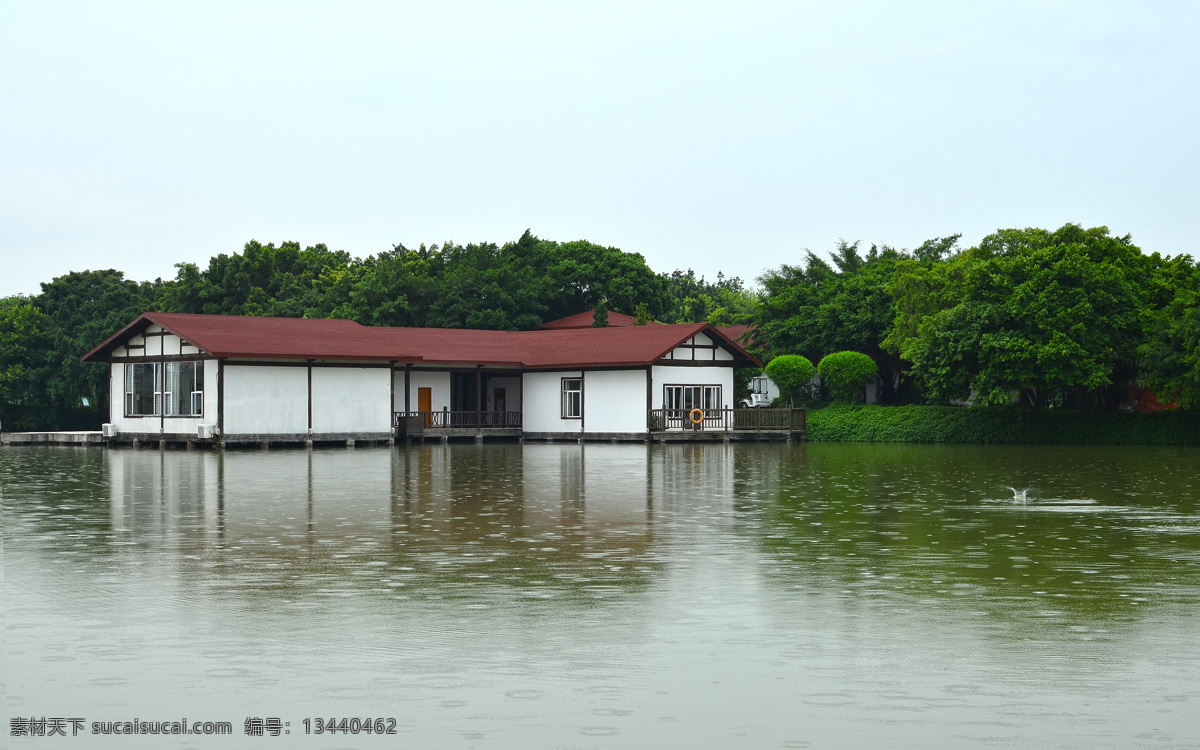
x=669, y=375
x=615, y=400
x=349, y=399
x=116, y=399
x=439, y=382
x=266, y=399
x=542, y=408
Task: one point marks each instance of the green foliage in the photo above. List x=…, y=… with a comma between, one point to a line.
x=1066, y=318
x=996, y=424
x=844, y=304
x=82, y=309
x=846, y=374
x=1170, y=357
x=1030, y=311
x=791, y=372
x=24, y=346
x=516, y=286
x=724, y=302
x=600, y=316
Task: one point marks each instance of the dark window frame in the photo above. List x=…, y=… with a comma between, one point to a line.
x=701, y=391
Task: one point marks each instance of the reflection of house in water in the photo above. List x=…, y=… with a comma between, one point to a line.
x=540, y=487
x=683, y=474
x=579, y=514
x=151, y=493
x=594, y=487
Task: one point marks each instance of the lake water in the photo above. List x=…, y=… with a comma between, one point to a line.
x=610, y=596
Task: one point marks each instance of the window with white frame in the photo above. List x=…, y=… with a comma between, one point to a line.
x=143, y=389
x=572, y=398
x=185, y=389
x=178, y=385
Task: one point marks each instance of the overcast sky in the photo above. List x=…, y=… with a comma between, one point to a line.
x=713, y=136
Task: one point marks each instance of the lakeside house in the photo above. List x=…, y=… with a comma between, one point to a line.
x=179, y=377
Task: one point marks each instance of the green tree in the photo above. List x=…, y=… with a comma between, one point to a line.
x=1170, y=356
x=641, y=314
x=1056, y=316
x=846, y=374
x=842, y=304
x=24, y=350
x=791, y=372
x=82, y=309
x=600, y=316
x=694, y=300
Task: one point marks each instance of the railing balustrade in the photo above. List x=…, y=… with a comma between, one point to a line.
x=756, y=420
x=725, y=420
x=414, y=420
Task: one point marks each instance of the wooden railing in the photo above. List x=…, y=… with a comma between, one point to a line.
x=407, y=422
x=750, y=420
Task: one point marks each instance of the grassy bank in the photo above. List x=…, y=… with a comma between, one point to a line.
x=950, y=424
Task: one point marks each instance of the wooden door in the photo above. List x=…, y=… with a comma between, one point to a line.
x=425, y=404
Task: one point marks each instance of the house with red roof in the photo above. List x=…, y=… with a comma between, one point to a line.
x=180, y=377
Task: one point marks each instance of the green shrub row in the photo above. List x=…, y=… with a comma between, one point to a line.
x=1001, y=424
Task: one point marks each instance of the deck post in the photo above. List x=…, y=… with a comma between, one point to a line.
x=479, y=396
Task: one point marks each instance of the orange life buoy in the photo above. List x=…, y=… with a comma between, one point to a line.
x=696, y=415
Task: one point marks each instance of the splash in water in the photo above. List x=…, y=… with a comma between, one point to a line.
x=1020, y=496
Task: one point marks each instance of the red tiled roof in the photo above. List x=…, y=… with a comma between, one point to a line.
x=295, y=338
x=594, y=347
x=736, y=332
x=584, y=320
x=273, y=338
x=543, y=349
x=458, y=345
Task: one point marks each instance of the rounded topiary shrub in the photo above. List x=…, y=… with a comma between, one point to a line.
x=846, y=374
x=790, y=372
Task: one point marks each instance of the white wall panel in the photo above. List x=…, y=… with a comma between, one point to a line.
x=350, y=399
x=266, y=399
x=614, y=401
x=542, y=409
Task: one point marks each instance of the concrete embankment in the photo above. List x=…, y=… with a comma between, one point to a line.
x=51, y=438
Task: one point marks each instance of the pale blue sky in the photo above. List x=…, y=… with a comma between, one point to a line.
x=713, y=136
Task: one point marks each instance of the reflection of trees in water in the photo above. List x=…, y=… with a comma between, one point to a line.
x=55, y=492
x=936, y=523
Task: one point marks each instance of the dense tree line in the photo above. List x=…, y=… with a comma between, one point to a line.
x=514, y=286
x=1067, y=318
x=1061, y=318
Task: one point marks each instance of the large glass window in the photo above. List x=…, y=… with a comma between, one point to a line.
x=185, y=389
x=712, y=397
x=690, y=397
x=143, y=389
x=183, y=394
x=572, y=398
